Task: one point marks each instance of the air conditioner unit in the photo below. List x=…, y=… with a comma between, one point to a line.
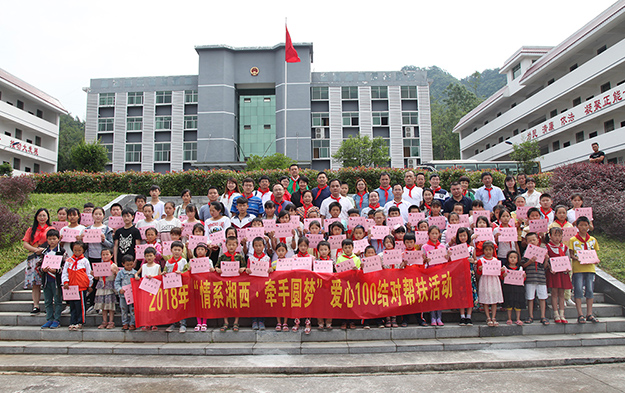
x=319, y=133
x=409, y=131
x=412, y=162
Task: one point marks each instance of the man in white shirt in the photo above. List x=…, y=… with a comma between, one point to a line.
x=335, y=196
x=490, y=195
x=398, y=201
x=532, y=197
x=263, y=192
x=412, y=194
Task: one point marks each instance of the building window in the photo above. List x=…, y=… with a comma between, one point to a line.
x=37, y=168
x=247, y=100
x=501, y=139
x=135, y=98
x=18, y=133
x=133, y=152
x=20, y=105
x=380, y=118
x=577, y=101
x=573, y=67
x=134, y=124
x=38, y=139
x=516, y=71
x=190, y=151
x=515, y=132
x=579, y=137
x=39, y=113
x=605, y=87
x=321, y=119
x=350, y=119
x=162, y=152
x=190, y=96
x=26, y=169
x=190, y=122
x=163, y=123
x=16, y=163
x=592, y=134
x=349, y=92
x=410, y=118
x=550, y=81
x=553, y=113
x=267, y=99
x=105, y=125
x=379, y=91
x=408, y=92
x=602, y=49
x=107, y=99
x=163, y=97
x=555, y=146
x=321, y=148
x=319, y=93
x=544, y=150
x=608, y=126
x=411, y=148
x=477, y=151
x=566, y=144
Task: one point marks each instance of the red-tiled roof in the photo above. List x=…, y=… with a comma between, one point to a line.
x=31, y=89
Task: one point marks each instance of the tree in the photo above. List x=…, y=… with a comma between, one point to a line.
x=89, y=157
x=362, y=151
x=274, y=161
x=71, y=132
x=525, y=153
x=6, y=169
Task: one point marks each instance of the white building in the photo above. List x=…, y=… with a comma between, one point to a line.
x=566, y=97
x=29, y=126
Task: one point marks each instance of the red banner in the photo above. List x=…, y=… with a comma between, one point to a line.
x=297, y=294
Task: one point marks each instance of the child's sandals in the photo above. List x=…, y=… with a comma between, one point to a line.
x=489, y=322
x=102, y=325
x=320, y=327
x=235, y=327
x=295, y=327
x=329, y=326
x=224, y=327
x=285, y=327
x=394, y=322
x=509, y=322
x=388, y=323
x=519, y=322
x=110, y=325
x=591, y=318
x=495, y=323
x=544, y=321
x=197, y=327
x=307, y=329
x=352, y=325
x=278, y=327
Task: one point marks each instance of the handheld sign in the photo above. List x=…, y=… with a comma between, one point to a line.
x=254, y=232
x=69, y=234
x=215, y=238
x=540, y=225
x=369, y=223
x=392, y=257
x=414, y=218
x=464, y=220
x=187, y=229
x=521, y=212
x=514, y=277
x=194, y=240
x=259, y=268
x=586, y=257
x=302, y=263
x=400, y=245
x=353, y=222
x=167, y=247
x=140, y=251
x=491, y=268
x=583, y=212
x=242, y=233
x=269, y=225
x=440, y=222
x=452, y=230
x=394, y=222
x=314, y=239
x=230, y=269
x=183, y=217
x=115, y=222
x=128, y=295
x=360, y=245
x=371, y=264
x=507, y=234
x=92, y=236
x=308, y=221
x=437, y=256
x=284, y=265
x=138, y=217
x=421, y=237
x=143, y=229
x=328, y=221
x=150, y=285
x=295, y=221
x=58, y=225
x=283, y=230
x=484, y=234
x=52, y=261
x=477, y=213
x=414, y=257
x=460, y=251
x=335, y=241
x=345, y=265
x=560, y=264
x=172, y=280
x=102, y=269
x=71, y=293
x=533, y=251
x=86, y=219
x=568, y=233
x=323, y=266
x=379, y=232
x=201, y=265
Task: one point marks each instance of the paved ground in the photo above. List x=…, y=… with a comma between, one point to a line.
x=597, y=378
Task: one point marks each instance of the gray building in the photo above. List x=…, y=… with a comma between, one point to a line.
x=248, y=101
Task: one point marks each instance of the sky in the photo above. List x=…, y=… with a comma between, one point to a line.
x=58, y=46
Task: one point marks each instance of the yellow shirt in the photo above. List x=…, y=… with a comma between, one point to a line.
x=576, y=245
x=354, y=258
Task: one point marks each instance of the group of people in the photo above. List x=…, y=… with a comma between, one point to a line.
x=461, y=217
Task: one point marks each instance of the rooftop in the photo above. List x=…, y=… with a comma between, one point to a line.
x=17, y=82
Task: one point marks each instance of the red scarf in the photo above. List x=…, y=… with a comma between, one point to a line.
x=374, y=207
x=175, y=263
x=259, y=257
x=348, y=257
x=336, y=199
x=295, y=183
x=410, y=190
x=278, y=205
x=247, y=197
x=299, y=254
x=427, y=206
x=361, y=198
x=76, y=259
x=262, y=194
x=435, y=245
x=582, y=240
x=40, y=235
x=561, y=252
x=229, y=193
x=543, y=212
x=489, y=190
x=561, y=223
x=464, y=192
x=385, y=192
x=320, y=189
x=306, y=209
x=325, y=259
x=437, y=189
x=397, y=203
x=231, y=256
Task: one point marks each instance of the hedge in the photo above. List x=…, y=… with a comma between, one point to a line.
x=198, y=181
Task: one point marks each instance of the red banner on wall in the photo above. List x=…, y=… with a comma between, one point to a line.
x=297, y=294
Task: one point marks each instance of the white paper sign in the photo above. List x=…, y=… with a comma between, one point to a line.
x=150, y=285
x=491, y=268
x=371, y=264
x=172, y=280
x=323, y=266
x=459, y=251
x=201, y=265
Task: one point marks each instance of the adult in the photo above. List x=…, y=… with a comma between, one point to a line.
x=597, y=157
x=278, y=197
x=284, y=180
x=361, y=198
x=399, y=201
x=322, y=191
x=335, y=196
x=254, y=203
x=532, y=197
x=435, y=184
x=510, y=192
x=420, y=180
x=232, y=191
x=490, y=195
x=411, y=192
x=456, y=197
x=464, y=182
x=213, y=196
x=181, y=209
x=374, y=204
x=263, y=192
x=293, y=179
x=296, y=197
x=307, y=205
x=34, y=241
x=521, y=180
x=384, y=191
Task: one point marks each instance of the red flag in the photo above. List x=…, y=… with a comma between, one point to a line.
x=290, y=53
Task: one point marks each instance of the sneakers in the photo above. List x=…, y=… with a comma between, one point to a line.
x=55, y=324
x=65, y=311
x=46, y=325
x=91, y=310
x=463, y=322
x=183, y=329
x=468, y=321
x=35, y=310
x=439, y=322
x=261, y=325
x=170, y=328
x=570, y=303
x=254, y=325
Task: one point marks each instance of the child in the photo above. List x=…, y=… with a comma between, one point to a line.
x=433, y=244
x=126, y=238
x=61, y=214
x=116, y=210
x=545, y=207
x=489, y=291
x=336, y=229
x=536, y=282
x=481, y=222
x=258, y=257
x=148, y=212
x=73, y=216
x=347, y=247
x=323, y=250
x=335, y=211
x=88, y=207
x=561, y=219
x=192, y=214
x=139, y=203
x=243, y=219
x=532, y=214
x=380, y=220
x=165, y=225
x=578, y=201
x=513, y=295
x=248, y=248
x=291, y=242
x=151, y=238
x=177, y=264
x=159, y=206
x=358, y=234
x=123, y=278
x=344, y=191
x=280, y=252
x=77, y=272
x=94, y=250
x=370, y=252
x=231, y=256
x=198, y=230
x=201, y=251
x=148, y=270
x=176, y=236
x=583, y=275
x=462, y=236
x=51, y=282
x=105, y=292
x=503, y=248
x=557, y=282
x=270, y=211
x=302, y=252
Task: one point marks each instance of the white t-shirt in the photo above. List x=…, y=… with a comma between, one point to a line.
x=159, y=210
x=67, y=246
x=345, y=206
x=227, y=202
x=403, y=208
x=150, y=271
x=532, y=200
x=211, y=226
x=164, y=226
x=413, y=198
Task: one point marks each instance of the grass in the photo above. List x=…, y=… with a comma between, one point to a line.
x=14, y=254
x=611, y=253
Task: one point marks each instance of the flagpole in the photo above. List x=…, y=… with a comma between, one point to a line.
x=285, y=87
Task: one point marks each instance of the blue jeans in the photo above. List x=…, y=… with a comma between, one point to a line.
x=128, y=311
x=53, y=300
x=583, y=281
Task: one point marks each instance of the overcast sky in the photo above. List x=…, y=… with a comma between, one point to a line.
x=58, y=46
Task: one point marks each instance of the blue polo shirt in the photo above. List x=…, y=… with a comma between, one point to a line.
x=254, y=206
